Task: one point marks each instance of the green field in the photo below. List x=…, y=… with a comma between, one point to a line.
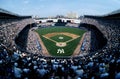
x=65, y=38
x=51, y=46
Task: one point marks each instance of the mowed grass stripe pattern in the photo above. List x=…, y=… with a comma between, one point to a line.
x=51, y=46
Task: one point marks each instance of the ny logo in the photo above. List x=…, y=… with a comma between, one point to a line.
x=60, y=51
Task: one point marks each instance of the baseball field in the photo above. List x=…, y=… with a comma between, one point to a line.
x=59, y=40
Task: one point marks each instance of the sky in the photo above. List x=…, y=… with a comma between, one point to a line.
x=45, y=8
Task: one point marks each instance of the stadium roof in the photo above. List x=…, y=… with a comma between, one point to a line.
x=7, y=12
x=115, y=12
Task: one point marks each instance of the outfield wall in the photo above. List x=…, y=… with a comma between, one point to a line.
x=56, y=20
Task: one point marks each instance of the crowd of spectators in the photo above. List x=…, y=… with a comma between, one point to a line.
x=102, y=64
x=33, y=44
x=105, y=65
x=109, y=27
x=85, y=48
x=9, y=29
x=113, y=32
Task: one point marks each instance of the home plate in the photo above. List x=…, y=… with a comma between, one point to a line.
x=61, y=44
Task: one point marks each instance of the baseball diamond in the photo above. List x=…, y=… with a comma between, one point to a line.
x=60, y=41
x=55, y=37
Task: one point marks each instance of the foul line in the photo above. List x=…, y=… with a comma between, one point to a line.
x=50, y=39
x=44, y=49
x=72, y=39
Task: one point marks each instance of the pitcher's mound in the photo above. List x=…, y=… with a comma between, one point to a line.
x=61, y=37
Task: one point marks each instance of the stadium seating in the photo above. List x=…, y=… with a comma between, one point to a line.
x=17, y=64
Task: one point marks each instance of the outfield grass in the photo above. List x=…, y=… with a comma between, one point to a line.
x=51, y=46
